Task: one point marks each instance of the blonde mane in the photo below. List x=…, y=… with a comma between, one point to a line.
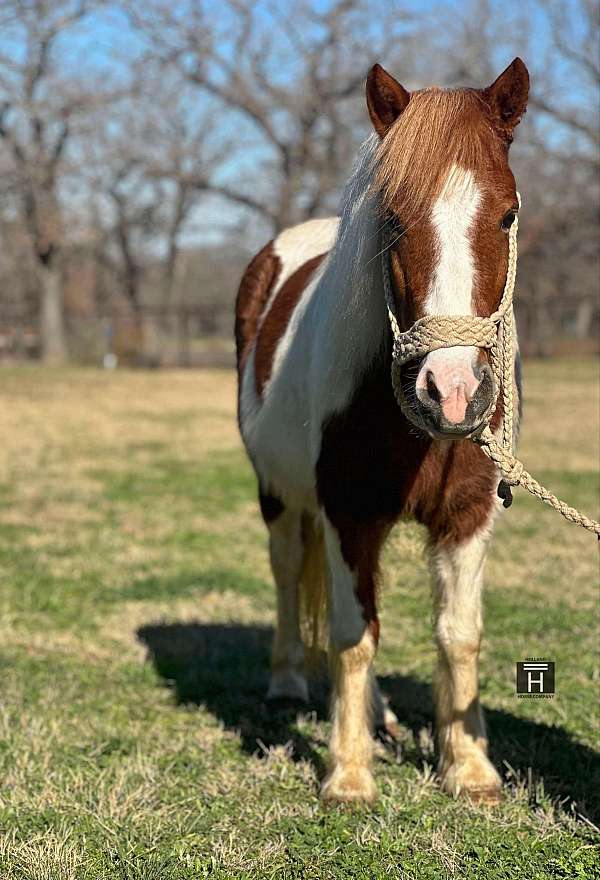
x=438, y=129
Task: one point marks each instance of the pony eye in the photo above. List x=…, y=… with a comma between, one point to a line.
x=508, y=220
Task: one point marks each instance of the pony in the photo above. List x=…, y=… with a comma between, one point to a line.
x=337, y=462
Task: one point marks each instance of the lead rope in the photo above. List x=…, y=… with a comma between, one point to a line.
x=495, y=334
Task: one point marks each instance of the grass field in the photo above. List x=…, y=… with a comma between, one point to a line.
x=135, y=624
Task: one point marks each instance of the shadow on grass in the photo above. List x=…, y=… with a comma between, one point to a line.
x=225, y=668
x=535, y=751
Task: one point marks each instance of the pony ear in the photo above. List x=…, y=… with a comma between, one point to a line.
x=386, y=99
x=507, y=98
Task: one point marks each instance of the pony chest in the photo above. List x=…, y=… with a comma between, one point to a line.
x=374, y=466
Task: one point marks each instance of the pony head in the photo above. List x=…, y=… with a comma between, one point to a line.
x=448, y=199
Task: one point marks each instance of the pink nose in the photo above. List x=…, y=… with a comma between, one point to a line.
x=452, y=387
x=454, y=406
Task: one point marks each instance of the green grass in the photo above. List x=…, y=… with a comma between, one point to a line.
x=136, y=616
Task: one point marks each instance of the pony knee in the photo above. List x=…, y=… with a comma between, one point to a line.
x=459, y=652
x=458, y=637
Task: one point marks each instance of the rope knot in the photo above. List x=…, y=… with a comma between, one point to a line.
x=512, y=475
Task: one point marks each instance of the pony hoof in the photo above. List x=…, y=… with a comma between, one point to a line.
x=349, y=784
x=487, y=797
x=474, y=778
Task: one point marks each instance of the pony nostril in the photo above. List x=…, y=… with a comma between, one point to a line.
x=432, y=389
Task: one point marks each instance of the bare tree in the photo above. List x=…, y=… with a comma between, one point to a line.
x=288, y=86
x=151, y=163
x=39, y=104
x=180, y=157
x=569, y=72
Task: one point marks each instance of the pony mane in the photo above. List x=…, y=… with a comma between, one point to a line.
x=358, y=239
x=438, y=129
x=351, y=289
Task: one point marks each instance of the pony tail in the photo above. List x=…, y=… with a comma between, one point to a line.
x=313, y=593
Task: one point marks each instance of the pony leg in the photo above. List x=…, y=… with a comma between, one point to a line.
x=286, y=550
x=352, y=650
x=464, y=766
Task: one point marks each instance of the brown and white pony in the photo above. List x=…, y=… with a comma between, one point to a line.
x=337, y=462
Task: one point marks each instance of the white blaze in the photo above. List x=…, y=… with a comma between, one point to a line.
x=451, y=290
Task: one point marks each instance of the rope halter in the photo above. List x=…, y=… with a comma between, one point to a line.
x=494, y=334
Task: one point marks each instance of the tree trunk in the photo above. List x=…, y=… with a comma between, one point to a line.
x=584, y=319
x=52, y=319
x=183, y=337
x=542, y=324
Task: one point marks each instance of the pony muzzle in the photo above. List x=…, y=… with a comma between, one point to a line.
x=454, y=391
